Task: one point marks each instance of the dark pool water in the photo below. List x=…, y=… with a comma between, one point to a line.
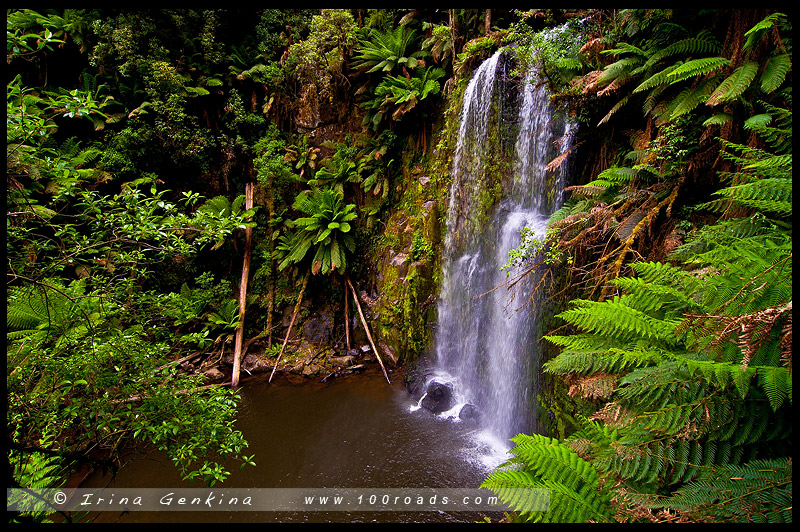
x=355, y=432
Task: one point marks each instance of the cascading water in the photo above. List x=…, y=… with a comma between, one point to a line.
x=486, y=346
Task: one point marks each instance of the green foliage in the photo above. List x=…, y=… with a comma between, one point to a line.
x=555, y=50
x=89, y=342
x=440, y=42
x=421, y=249
x=698, y=351
x=387, y=51
x=326, y=229
x=663, y=65
x=397, y=95
x=29, y=33
x=542, y=462
x=37, y=471
x=760, y=492
x=320, y=59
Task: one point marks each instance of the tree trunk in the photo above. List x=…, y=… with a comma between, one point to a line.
x=346, y=314
x=453, y=32
x=271, y=297
x=488, y=22
x=291, y=323
x=369, y=336
x=248, y=249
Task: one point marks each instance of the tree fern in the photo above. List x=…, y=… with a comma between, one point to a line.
x=757, y=32
x=688, y=100
x=718, y=119
x=699, y=347
x=659, y=78
x=774, y=73
x=690, y=46
x=772, y=195
x=34, y=471
x=696, y=68
x=759, y=491
x=734, y=85
x=616, y=318
x=542, y=462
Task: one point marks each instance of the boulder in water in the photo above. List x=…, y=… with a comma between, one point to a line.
x=438, y=397
x=468, y=413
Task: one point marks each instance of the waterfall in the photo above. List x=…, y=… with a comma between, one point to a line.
x=486, y=346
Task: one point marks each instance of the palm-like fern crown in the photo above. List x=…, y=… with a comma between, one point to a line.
x=384, y=51
x=326, y=229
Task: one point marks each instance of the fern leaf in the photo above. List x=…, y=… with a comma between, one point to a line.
x=739, y=493
x=777, y=383
x=758, y=121
x=697, y=67
x=734, y=85
x=770, y=195
x=755, y=33
x=687, y=100
x=689, y=46
x=775, y=71
x=718, y=120
x=548, y=463
x=659, y=78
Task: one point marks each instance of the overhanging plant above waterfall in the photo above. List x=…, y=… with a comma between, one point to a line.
x=556, y=50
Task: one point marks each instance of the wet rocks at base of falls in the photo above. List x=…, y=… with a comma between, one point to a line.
x=432, y=393
x=469, y=412
x=438, y=397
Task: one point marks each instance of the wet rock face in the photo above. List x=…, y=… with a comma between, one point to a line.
x=438, y=397
x=250, y=362
x=319, y=329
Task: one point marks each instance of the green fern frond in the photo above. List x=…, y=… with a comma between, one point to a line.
x=734, y=85
x=522, y=491
x=777, y=383
x=602, y=358
x=570, y=207
x=696, y=68
x=625, y=48
x=547, y=463
x=220, y=205
x=718, y=120
x=755, y=34
x=618, y=175
x=774, y=73
x=618, y=70
x=614, y=318
x=757, y=122
x=659, y=78
x=759, y=491
x=690, y=46
x=769, y=195
x=689, y=99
